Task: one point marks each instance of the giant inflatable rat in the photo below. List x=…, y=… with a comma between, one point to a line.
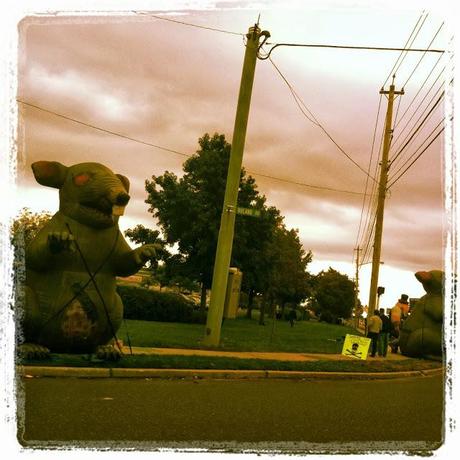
x=421, y=333
x=71, y=301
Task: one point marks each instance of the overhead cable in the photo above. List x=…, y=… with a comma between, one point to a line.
x=406, y=45
x=297, y=98
x=401, y=131
x=303, y=184
x=368, y=170
x=420, y=89
x=418, y=148
x=317, y=123
x=423, y=55
x=416, y=158
x=113, y=133
x=214, y=29
x=372, y=206
x=369, y=48
x=418, y=128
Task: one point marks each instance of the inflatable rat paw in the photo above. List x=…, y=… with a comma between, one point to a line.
x=145, y=253
x=71, y=301
x=61, y=241
x=421, y=333
x=108, y=353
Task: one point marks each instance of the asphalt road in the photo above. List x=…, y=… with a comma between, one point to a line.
x=174, y=412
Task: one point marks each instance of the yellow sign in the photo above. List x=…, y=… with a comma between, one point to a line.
x=356, y=346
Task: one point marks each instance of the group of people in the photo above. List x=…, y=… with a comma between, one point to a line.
x=384, y=331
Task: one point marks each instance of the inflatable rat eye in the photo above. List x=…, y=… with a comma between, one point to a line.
x=81, y=179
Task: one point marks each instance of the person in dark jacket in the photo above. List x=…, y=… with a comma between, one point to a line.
x=384, y=335
x=292, y=316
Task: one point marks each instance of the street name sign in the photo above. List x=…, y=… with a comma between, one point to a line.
x=248, y=212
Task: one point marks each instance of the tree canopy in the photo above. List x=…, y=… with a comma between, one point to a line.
x=26, y=225
x=334, y=293
x=188, y=210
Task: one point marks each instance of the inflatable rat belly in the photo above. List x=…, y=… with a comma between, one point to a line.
x=421, y=333
x=71, y=300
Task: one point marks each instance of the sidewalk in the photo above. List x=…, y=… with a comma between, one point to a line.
x=86, y=372
x=253, y=354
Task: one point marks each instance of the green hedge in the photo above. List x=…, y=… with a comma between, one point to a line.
x=145, y=304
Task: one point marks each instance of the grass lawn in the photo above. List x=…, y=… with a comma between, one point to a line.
x=239, y=334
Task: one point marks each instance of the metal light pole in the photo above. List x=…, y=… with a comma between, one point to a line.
x=227, y=223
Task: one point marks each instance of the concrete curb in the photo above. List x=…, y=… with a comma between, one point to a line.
x=89, y=372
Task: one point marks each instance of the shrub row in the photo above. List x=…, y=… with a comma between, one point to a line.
x=145, y=304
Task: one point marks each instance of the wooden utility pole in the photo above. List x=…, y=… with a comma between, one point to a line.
x=227, y=222
x=384, y=166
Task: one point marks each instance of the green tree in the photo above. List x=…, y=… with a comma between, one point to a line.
x=22, y=231
x=255, y=250
x=26, y=225
x=291, y=282
x=333, y=294
x=188, y=209
x=286, y=276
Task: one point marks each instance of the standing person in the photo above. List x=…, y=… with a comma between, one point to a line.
x=404, y=306
x=384, y=335
x=396, y=316
x=374, y=326
x=292, y=316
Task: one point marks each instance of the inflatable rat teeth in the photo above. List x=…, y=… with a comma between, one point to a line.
x=118, y=210
x=71, y=301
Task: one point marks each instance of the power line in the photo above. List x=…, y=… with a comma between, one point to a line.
x=418, y=148
x=303, y=184
x=418, y=106
x=372, y=207
x=214, y=29
x=396, y=116
x=296, y=97
x=406, y=45
x=316, y=122
x=113, y=133
x=418, y=128
x=369, y=48
x=368, y=170
x=423, y=55
x=420, y=89
x=417, y=157
x=371, y=231
x=370, y=222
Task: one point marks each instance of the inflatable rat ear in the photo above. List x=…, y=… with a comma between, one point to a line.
x=124, y=181
x=50, y=173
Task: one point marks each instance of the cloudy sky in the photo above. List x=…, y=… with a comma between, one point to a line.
x=167, y=84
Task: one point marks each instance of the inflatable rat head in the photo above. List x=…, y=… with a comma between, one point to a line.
x=432, y=281
x=89, y=193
